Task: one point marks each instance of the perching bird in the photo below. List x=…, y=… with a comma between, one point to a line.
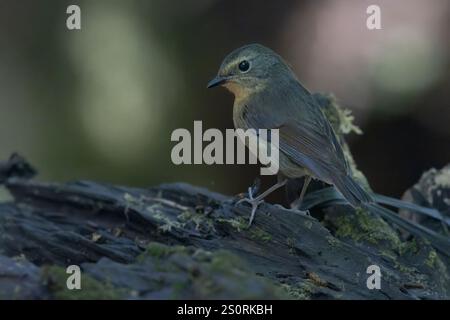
x=268, y=95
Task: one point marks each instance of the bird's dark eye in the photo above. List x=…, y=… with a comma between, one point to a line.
x=244, y=65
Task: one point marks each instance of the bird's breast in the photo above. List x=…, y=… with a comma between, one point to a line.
x=240, y=114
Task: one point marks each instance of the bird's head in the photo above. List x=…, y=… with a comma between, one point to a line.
x=249, y=69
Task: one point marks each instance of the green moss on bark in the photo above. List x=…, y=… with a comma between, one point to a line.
x=55, y=278
x=362, y=227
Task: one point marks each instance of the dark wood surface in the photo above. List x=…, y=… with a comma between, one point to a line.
x=181, y=241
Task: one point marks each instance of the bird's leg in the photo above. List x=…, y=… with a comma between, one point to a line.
x=298, y=203
x=255, y=202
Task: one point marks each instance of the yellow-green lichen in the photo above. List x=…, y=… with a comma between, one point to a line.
x=431, y=259
x=238, y=223
x=308, y=224
x=167, y=223
x=130, y=200
x=443, y=178
x=433, y=181
x=435, y=262
x=241, y=224
x=356, y=173
x=200, y=220
x=340, y=118
x=332, y=241
x=304, y=291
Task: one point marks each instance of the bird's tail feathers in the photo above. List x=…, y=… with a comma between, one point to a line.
x=352, y=191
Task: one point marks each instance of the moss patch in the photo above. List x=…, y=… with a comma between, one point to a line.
x=241, y=224
x=158, y=250
x=259, y=234
x=431, y=259
x=361, y=227
x=55, y=279
x=435, y=262
x=199, y=274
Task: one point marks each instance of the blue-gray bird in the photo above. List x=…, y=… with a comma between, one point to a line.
x=268, y=95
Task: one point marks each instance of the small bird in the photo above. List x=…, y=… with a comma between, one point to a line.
x=268, y=95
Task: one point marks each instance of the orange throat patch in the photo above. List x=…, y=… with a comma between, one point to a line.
x=240, y=93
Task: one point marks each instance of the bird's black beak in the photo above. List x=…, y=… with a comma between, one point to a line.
x=217, y=81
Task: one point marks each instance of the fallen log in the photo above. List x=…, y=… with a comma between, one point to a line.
x=181, y=241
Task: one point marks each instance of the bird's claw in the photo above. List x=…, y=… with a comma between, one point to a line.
x=254, y=202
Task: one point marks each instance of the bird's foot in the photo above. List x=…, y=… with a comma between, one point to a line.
x=303, y=212
x=297, y=210
x=254, y=202
x=296, y=206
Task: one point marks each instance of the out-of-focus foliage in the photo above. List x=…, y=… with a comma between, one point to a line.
x=101, y=103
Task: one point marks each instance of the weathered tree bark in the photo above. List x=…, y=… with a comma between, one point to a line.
x=180, y=241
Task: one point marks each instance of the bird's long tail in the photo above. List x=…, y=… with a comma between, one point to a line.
x=352, y=191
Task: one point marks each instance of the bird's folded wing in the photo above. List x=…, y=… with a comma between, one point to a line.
x=313, y=147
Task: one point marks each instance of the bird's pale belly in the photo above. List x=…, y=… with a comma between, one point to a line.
x=290, y=169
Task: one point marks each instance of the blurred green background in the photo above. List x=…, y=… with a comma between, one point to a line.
x=101, y=103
